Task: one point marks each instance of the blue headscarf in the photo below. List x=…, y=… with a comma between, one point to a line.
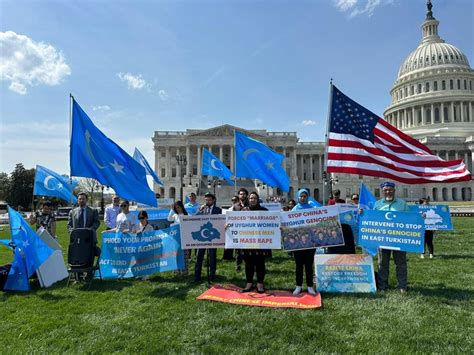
x=302, y=206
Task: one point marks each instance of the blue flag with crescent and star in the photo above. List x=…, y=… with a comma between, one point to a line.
x=211, y=166
x=257, y=161
x=30, y=252
x=49, y=183
x=94, y=155
x=138, y=156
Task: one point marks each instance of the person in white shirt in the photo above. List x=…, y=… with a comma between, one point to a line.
x=192, y=207
x=111, y=213
x=126, y=221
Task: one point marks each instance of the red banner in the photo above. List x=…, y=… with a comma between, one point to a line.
x=275, y=299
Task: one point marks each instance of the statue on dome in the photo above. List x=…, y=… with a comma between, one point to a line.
x=429, y=15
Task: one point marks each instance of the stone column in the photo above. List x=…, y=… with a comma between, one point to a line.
x=321, y=167
x=232, y=165
x=461, y=108
x=405, y=116
x=442, y=113
x=221, y=152
x=311, y=180
x=178, y=166
x=199, y=160
x=413, y=116
x=294, y=165
x=432, y=113
x=188, y=159
x=284, y=159
x=451, y=106
x=168, y=163
x=423, y=120
x=471, y=119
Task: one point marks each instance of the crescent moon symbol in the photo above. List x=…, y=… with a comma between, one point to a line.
x=388, y=216
x=249, y=151
x=213, y=164
x=46, y=182
x=89, y=150
x=203, y=236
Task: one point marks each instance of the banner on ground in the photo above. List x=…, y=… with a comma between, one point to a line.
x=274, y=299
x=403, y=231
x=253, y=230
x=202, y=231
x=437, y=217
x=127, y=255
x=311, y=228
x=345, y=273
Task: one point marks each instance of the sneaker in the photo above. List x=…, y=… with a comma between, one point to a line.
x=311, y=291
x=297, y=291
x=431, y=256
x=422, y=256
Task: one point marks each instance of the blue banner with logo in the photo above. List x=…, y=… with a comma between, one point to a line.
x=437, y=217
x=345, y=273
x=127, y=255
x=349, y=214
x=403, y=231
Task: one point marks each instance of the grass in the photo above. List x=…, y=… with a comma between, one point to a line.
x=163, y=315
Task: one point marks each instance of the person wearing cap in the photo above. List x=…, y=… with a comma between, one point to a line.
x=390, y=203
x=208, y=208
x=336, y=198
x=304, y=259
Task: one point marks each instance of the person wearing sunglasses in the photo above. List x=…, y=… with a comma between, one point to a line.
x=355, y=199
x=143, y=225
x=126, y=221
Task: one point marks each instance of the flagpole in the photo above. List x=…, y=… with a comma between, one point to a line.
x=331, y=86
x=71, y=99
x=235, y=168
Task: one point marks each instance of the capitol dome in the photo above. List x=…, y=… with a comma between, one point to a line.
x=433, y=101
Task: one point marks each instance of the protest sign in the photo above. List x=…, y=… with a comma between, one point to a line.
x=311, y=228
x=202, y=231
x=158, y=218
x=437, y=217
x=128, y=255
x=345, y=273
x=272, y=206
x=348, y=214
x=253, y=230
x=404, y=231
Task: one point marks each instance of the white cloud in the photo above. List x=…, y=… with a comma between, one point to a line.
x=359, y=7
x=135, y=82
x=163, y=95
x=101, y=108
x=24, y=62
x=308, y=123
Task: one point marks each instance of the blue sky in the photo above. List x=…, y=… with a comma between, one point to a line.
x=140, y=66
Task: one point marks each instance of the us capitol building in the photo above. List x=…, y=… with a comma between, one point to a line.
x=432, y=101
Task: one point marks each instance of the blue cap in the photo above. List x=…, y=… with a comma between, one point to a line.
x=387, y=184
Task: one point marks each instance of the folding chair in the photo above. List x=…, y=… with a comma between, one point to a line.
x=81, y=255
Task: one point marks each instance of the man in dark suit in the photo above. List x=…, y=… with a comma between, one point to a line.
x=208, y=208
x=83, y=216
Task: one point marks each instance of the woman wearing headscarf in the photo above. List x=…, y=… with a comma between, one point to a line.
x=255, y=258
x=304, y=259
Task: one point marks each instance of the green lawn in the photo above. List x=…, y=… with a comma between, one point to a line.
x=163, y=315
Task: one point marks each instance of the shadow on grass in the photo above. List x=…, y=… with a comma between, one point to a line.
x=440, y=291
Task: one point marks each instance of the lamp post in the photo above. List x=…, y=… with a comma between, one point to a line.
x=182, y=162
x=102, y=205
x=212, y=183
x=332, y=180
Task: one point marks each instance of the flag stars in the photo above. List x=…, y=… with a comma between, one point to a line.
x=118, y=168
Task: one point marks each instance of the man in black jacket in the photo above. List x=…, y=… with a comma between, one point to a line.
x=208, y=208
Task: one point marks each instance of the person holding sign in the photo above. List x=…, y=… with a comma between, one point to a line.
x=390, y=203
x=255, y=258
x=304, y=258
x=428, y=233
x=208, y=208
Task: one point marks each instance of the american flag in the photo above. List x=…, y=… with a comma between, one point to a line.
x=361, y=143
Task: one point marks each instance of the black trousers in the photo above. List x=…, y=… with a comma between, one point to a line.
x=429, y=241
x=199, y=262
x=304, y=259
x=254, y=263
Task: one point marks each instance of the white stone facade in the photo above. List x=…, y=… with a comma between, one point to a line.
x=432, y=100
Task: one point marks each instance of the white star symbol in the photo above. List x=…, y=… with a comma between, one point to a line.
x=26, y=243
x=118, y=168
x=269, y=165
x=60, y=186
